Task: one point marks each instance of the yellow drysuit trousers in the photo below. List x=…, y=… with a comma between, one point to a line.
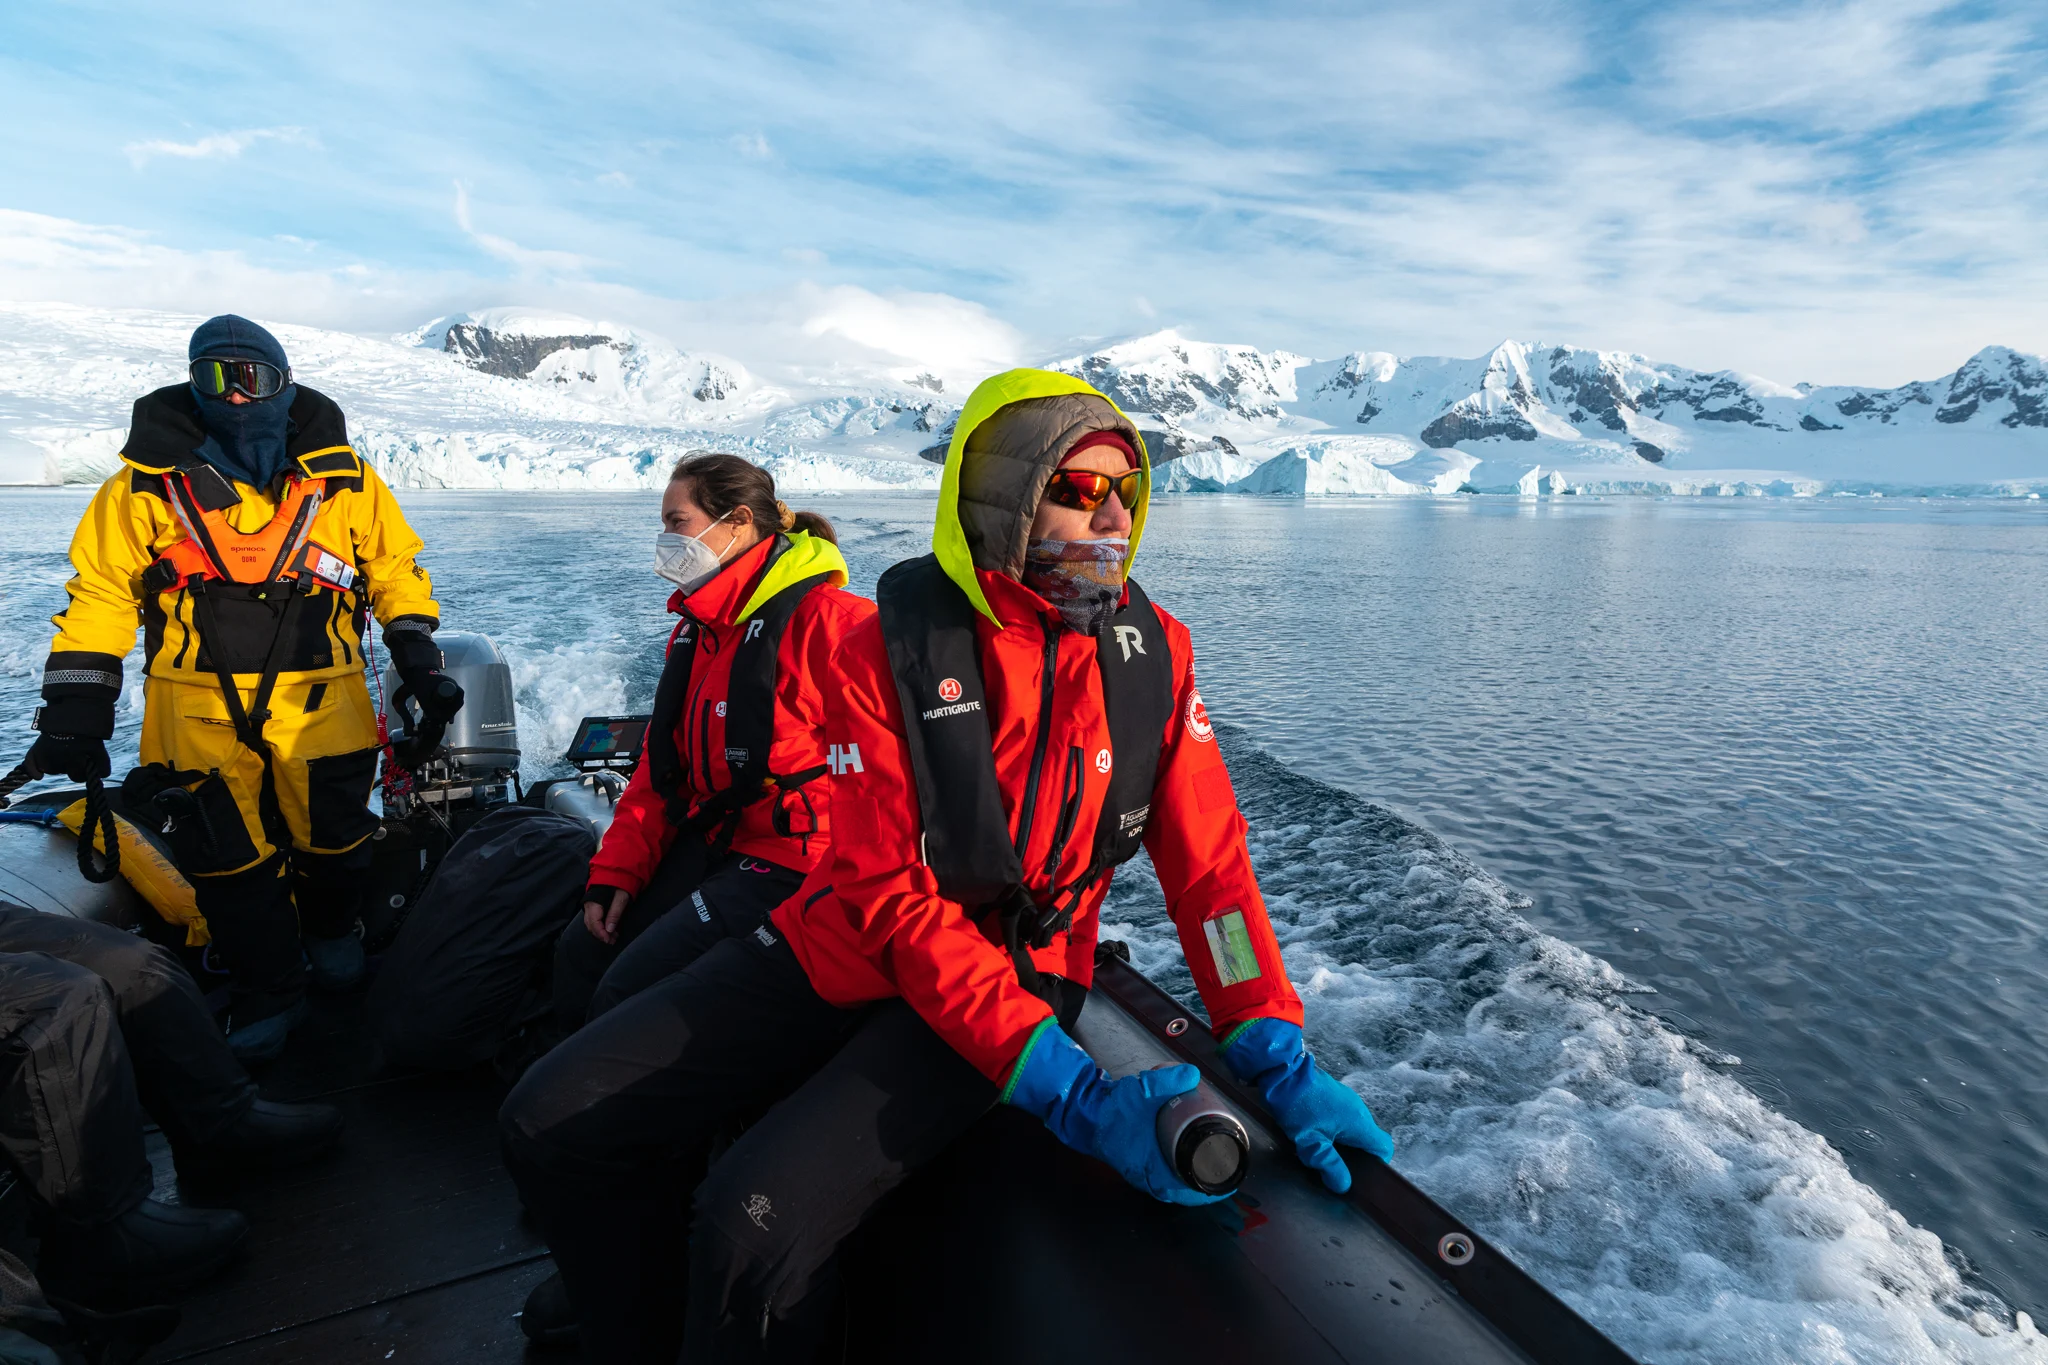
x=322, y=742
x=257, y=897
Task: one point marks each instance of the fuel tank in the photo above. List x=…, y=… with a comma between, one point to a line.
x=591, y=797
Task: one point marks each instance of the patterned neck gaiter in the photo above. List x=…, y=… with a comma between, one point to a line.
x=1083, y=578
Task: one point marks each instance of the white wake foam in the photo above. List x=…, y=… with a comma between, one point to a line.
x=1600, y=1149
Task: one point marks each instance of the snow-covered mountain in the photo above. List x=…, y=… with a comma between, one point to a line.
x=502, y=399
x=1533, y=418
x=516, y=398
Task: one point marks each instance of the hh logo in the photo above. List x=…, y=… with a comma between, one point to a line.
x=949, y=690
x=1103, y=761
x=754, y=627
x=1131, y=639
x=844, y=758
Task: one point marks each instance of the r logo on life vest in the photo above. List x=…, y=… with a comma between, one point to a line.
x=755, y=627
x=949, y=690
x=1198, y=719
x=1132, y=640
x=1103, y=761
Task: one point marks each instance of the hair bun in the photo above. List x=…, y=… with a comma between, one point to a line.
x=788, y=517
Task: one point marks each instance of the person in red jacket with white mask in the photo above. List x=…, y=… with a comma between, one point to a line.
x=1026, y=718
x=727, y=812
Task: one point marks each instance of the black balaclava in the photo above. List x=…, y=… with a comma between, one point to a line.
x=245, y=441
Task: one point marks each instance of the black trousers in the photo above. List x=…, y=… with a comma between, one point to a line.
x=609, y=1138
x=258, y=916
x=693, y=901
x=96, y=1025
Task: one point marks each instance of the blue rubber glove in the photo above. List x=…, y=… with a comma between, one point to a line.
x=1317, y=1110
x=1114, y=1121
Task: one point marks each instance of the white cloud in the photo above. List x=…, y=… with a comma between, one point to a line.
x=46, y=259
x=216, y=146
x=616, y=179
x=929, y=330
x=797, y=332
x=505, y=249
x=1820, y=189
x=1831, y=65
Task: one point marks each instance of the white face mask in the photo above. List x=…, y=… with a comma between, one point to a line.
x=687, y=561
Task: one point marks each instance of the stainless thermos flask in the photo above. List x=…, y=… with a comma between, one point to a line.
x=1204, y=1142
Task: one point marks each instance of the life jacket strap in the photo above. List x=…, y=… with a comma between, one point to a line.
x=935, y=658
x=750, y=717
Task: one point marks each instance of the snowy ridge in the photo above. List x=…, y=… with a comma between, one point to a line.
x=503, y=399
x=1619, y=1162
x=1551, y=419
x=517, y=398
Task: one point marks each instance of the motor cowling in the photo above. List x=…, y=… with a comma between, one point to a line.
x=482, y=742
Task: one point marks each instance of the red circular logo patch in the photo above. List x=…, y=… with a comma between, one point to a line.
x=1198, y=719
x=949, y=690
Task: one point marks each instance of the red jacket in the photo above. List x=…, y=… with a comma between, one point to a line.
x=870, y=924
x=640, y=832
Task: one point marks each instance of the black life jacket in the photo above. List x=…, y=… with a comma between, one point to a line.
x=749, y=719
x=928, y=624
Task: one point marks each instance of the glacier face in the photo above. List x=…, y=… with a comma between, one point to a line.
x=520, y=398
x=502, y=399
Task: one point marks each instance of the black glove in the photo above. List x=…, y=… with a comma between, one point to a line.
x=410, y=642
x=439, y=695
x=77, y=757
x=73, y=738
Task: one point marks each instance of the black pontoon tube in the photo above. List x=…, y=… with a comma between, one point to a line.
x=1407, y=1237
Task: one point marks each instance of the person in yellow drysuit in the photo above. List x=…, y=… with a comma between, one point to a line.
x=250, y=542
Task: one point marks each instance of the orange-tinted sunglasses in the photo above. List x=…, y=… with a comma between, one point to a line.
x=1085, y=489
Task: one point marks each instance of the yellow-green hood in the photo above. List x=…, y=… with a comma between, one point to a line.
x=1031, y=467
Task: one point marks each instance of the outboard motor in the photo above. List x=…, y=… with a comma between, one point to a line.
x=471, y=766
x=477, y=759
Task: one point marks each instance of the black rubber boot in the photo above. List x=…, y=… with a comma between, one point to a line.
x=150, y=1251
x=117, y=1338
x=268, y=1137
x=547, y=1319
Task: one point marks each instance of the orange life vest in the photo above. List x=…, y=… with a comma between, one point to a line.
x=283, y=549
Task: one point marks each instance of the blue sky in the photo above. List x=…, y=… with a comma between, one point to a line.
x=1833, y=192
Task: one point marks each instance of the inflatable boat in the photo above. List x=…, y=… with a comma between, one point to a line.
x=408, y=1243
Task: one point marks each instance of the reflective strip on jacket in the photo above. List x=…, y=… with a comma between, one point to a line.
x=870, y=922
x=641, y=831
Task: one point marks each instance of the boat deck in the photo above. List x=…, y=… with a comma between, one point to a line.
x=405, y=1244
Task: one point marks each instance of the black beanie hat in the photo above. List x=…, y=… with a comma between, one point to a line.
x=228, y=337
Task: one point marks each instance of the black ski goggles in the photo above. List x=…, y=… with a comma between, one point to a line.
x=214, y=378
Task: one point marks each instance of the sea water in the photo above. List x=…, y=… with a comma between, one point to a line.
x=1668, y=875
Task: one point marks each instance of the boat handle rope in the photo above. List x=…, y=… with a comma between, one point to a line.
x=99, y=815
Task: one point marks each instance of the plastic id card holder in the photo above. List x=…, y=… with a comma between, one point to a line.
x=1230, y=947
